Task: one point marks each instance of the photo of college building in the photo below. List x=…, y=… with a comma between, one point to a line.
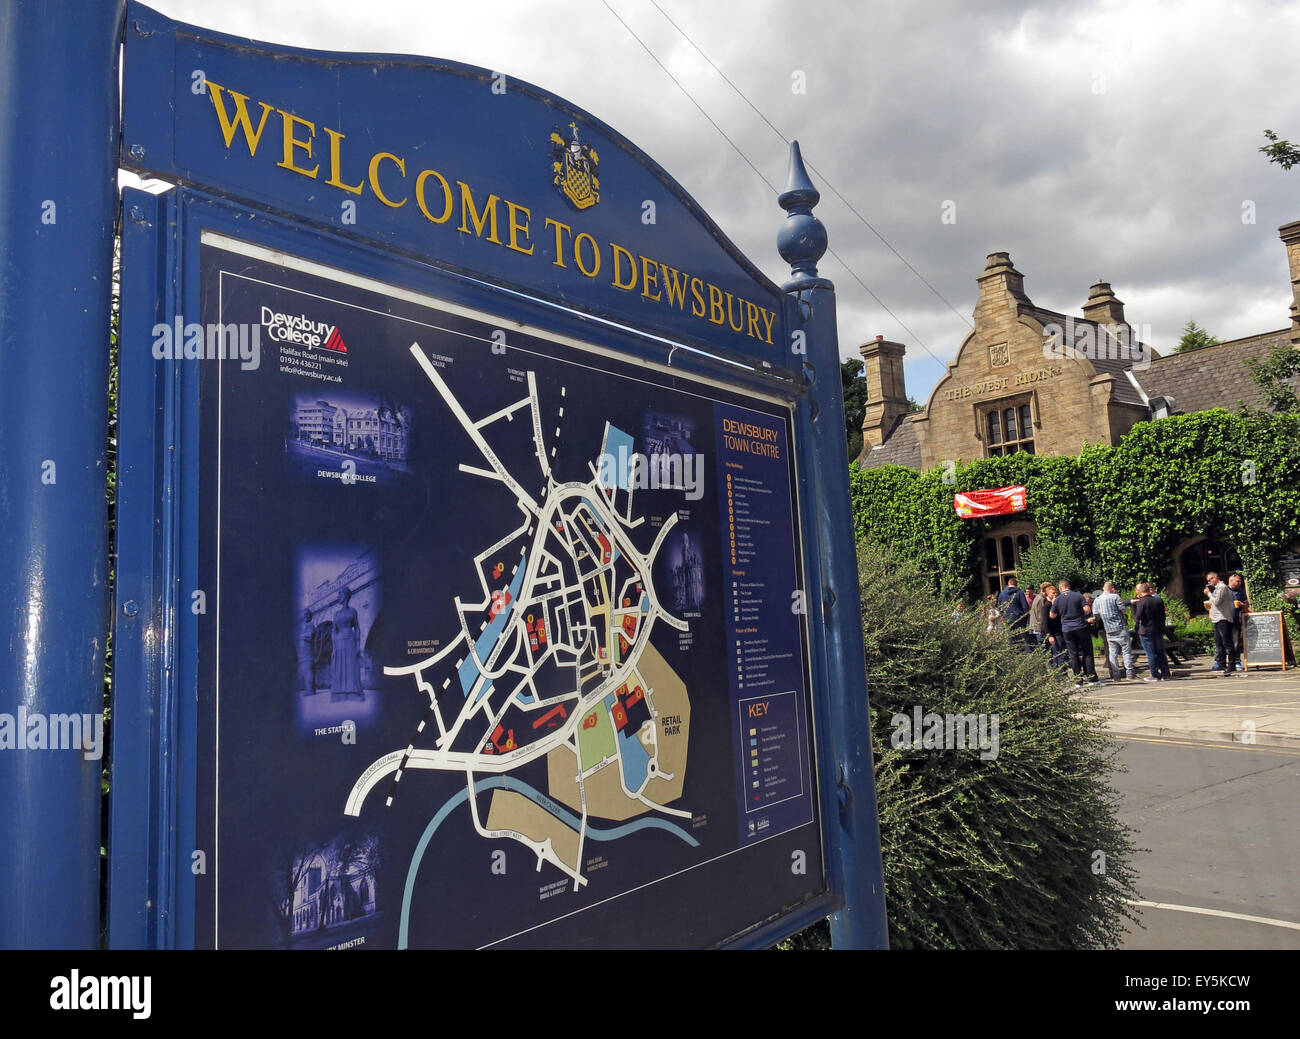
x=379, y=431
x=1030, y=379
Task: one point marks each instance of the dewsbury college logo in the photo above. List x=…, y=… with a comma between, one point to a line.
x=575, y=167
x=300, y=330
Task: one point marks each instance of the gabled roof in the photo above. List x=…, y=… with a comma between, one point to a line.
x=1125, y=392
x=1211, y=377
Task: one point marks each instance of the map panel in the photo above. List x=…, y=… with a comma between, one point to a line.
x=530, y=668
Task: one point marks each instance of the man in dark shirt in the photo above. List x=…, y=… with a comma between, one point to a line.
x=1149, y=614
x=1015, y=610
x=1242, y=605
x=1072, y=611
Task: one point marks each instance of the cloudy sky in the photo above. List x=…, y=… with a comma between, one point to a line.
x=1090, y=140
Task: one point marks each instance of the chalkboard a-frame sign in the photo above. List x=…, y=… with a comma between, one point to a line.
x=1263, y=642
x=497, y=537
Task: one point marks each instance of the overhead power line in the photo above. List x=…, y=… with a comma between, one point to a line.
x=772, y=187
x=822, y=178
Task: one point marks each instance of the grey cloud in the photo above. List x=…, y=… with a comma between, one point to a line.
x=994, y=106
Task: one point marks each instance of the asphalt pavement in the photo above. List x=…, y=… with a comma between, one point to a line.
x=1212, y=789
x=1218, y=825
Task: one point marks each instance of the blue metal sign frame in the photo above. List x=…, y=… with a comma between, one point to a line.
x=152, y=820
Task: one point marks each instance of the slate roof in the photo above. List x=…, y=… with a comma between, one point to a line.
x=900, y=448
x=1125, y=392
x=1211, y=377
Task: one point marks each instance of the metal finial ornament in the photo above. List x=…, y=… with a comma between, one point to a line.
x=802, y=238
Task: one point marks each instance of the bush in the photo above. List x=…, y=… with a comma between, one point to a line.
x=998, y=853
x=1198, y=633
x=1054, y=560
x=1176, y=612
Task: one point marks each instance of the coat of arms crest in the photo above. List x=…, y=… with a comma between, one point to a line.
x=575, y=167
x=999, y=355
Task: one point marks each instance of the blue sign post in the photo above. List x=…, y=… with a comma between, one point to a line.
x=860, y=924
x=58, y=158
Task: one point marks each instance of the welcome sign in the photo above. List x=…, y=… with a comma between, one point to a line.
x=475, y=495
x=467, y=167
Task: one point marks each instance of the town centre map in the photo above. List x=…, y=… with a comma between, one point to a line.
x=537, y=671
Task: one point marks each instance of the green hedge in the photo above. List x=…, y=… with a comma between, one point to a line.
x=1225, y=475
x=1199, y=633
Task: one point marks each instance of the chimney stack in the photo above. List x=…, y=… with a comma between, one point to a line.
x=882, y=362
x=1000, y=276
x=1001, y=293
x=1103, y=307
x=1290, y=235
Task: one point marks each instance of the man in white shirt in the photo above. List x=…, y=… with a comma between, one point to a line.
x=1109, y=609
x=1224, y=616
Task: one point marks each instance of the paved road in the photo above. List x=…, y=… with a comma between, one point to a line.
x=1221, y=825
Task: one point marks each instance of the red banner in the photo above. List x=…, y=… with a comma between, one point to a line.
x=995, y=502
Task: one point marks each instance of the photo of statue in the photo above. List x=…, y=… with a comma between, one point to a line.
x=345, y=663
x=338, y=599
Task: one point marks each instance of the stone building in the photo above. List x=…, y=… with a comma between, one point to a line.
x=1032, y=379
x=333, y=888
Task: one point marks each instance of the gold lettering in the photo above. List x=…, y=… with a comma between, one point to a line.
x=334, y=181
x=479, y=221
x=674, y=286
x=446, y=196
x=697, y=291
x=768, y=316
x=515, y=227
x=374, y=177
x=751, y=311
x=715, y=304
x=559, y=246
x=242, y=122
x=619, y=253
x=291, y=143
x=595, y=252
x=649, y=276
x=735, y=327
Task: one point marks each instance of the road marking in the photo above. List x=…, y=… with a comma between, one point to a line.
x=1216, y=912
x=1209, y=744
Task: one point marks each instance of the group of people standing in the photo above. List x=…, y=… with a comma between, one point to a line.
x=1227, y=603
x=1062, y=622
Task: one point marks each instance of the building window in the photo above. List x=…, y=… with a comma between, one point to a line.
x=1009, y=428
x=1002, y=554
